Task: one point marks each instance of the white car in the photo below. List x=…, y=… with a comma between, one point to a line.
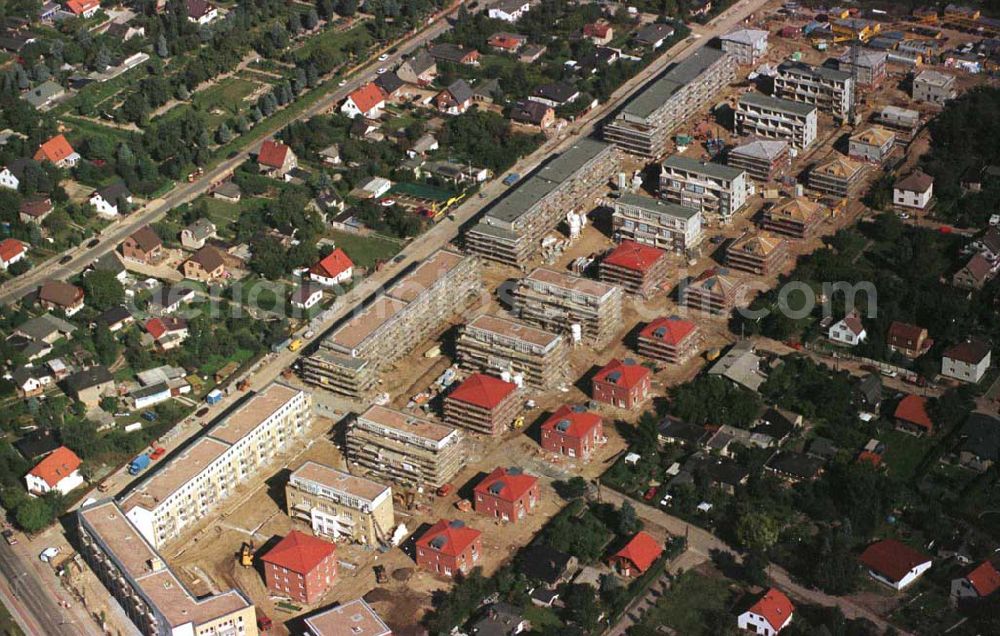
x=666, y=500
x=383, y=57
x=904, y=215
x=48, y=554
x=342, y=83
x=382, y=70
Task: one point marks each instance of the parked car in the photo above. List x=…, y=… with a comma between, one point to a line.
x=201, y=412
x=93, y=242
x=665, y=502
x=9, y=537
x=650, y=494
x=383, y=57
x=65, y=259
x=48, y=554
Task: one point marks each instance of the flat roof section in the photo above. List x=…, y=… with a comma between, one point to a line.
x=253, y=413
x=658, y=206
x=430, y=270
x=515, y=330
x=339, y=480
x=363, y=324
x=407, y=423
x=174, y=474
x=773, y=103
x=570, y=282
x=656, y=94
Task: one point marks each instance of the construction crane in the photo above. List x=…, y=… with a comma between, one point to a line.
x=855, y=56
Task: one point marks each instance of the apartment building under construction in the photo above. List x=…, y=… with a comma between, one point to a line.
x=643, y=126
x=838, y=176
x=560, y=302
x=828, y=89
x=195, y=481
x=340, y=505
x=715, y=190
x=350, y=360
x=762, y=254
x=511, y=231
x=404, y=448
x=151, y=595
x=772, y=118
x=762, y=159
x=796, y=217
x=638, y=269
x=516, y=350
x=715, y=291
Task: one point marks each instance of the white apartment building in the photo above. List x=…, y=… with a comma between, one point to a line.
x=715, y=190
x=655, y=222
x=771, y=118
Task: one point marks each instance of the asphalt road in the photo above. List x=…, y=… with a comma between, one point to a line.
x=29, y=598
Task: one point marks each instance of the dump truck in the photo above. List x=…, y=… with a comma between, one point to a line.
x=138, y=464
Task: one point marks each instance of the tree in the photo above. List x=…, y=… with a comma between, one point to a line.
x=102, y=60
x=628, y=521
x=34, y=514
x=573, y=488
x=109, y=404
x=161, y=46
x=224, y=134
x=103, y=291
x=347, y=8
x=756, y=530
x=295, y=21
x=581, y=606
x=105, y=345
x=312, y=19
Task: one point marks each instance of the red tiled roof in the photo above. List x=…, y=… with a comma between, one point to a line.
x=969, y=352
x=641, y=551
x=872, y=458
x=335, y=264
x=455, y=534
x=10, y=249
x=483, y=391
x=984, y=579
x=54, y=150
x=853, y=322
x=78, y=7
x=299, y=552
x=900, y=333
x=272, y=154
x=367, y=97
x=891, y=559
x=578, y=422
x=506, y=484
x=628, y=375
x=674, y=330
x=775, y=607
x=596, y=29
x=913, y=410
x=632, y=255
x=505, y=41
x=157, y=327
x=58, y=465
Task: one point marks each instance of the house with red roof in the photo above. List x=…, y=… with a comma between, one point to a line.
x=12, y=251
x=621, y=383
x=507, y=494
x=769, y=615
x=59, y=471
x=58, y=151
x=507, y=42
x=893, y=563
x=449, y=547
x=638, y=269
x=335, y=268
x=600, y=32
x=367, y=101
x=276, y=160
x=168, y=332
x=911, y=416
x=83, y=8
x=671, y=340
x=979, y=583
x=908, y=340
x=573, y=432
x=482, y=403
x=637, y=555
x=300, y=566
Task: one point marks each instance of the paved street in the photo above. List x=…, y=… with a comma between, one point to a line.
x=30, y=596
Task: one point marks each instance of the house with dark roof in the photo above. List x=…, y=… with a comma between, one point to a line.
x=108, y=201
x=501, y=619
x=979, y=445
x=794, y=467
x=301, y=567
x=37, y=444
x=622, y=383
x=194, y=235
x=967, y=361
x=30, y=380
x=555, y=94
x=911, y=416
x=894, y=563
x=506, y=494
x=914, y=191
x=868, y=392
x=987, y=244
x=546, y=565
x=35, y=209
x=533, y=113
x=674, y=430
x=201, y=12
x=112, y=263
x=454, y=53
x=116, y=318
x=976, y=272
x=976, y=585
x=389, y=83
x=143, y=246
x=636, y=556
x=653, y=35
x=420, y=68
x=166, y=300
x=777, y=424
x=90, y=385
x=455, y=99
x=205, y=265
x=449, y=547
x=306, y=296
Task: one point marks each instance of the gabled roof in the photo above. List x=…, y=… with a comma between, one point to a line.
x=484, y=391
x=901, y=332
x=158, y=327
x=304, y=292
x=299, y=552
x=54, y=150
x=635, y=256
x=367, y=97
x=671, y=331
x=529, y=111
x=389, y=83
x=506, y=484
x=642, y=551
x=56, y=466
x=572, y=421
x=558, y=92
x=420, y=62
x=892, y=559
x=209, y=258
x=448, y=537
x=11, y=249
x=981, y=437
x=44, y=326
x=113, y=192
x=969, y=352
x=36, y=206
x=272, y=153
x=978, y=267
x=874, y=136
x=774, y=607
x=984, y=578
x=334, y=264
x=626, y=374
x=114, y=316
x=78, y=7
x=853, y=322
x=197, y=8
x=59, y=293
x=916, y=182
x=146, y=239
x=460, y=91
x=88, y=378
x=596, y=29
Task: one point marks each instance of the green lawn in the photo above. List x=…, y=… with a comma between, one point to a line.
x=224, y=214
x=335, y=43
x=686, y=606
x=365, y=251
x=904, y=453
x=541, y=618
x=226, y=95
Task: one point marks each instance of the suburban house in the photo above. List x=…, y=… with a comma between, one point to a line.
x=653, y=35
x=59, y=471
x=637, y=555
x=555, y=94
x=501, y=619
x=11, y=174
x=572, y=431
x=108, y=201
x=533, y=113
x=167, y=332
x=90, y=385
x=201, y=12
x=911, y=415
x=306, y=296
x=914, y=191
x=12, y=251
x=624, y=384
x=31, y=381
x=507, y=42
x=988, y=244
x=908, y=340
x=976, y=272
x=600, y=32
x=166, y=300
x=449, y=547
x=194, y=235
x=868, y=392
x=420, y=68
x=44, y=95
x=848, y=331
x=967, y=361
x=55, y=294
x=205, y=265
x=509, y=10
x=335, y=268
x=390, y=83
x=893, y=563
x=978, y=584
x=507, y=494
x=276, y=160
x=673, y=430
x=769, y=615
x=144, y=246
x=367, y=101
x=83, y=8
x=454, y=53
x=455, y=99
x=116, y=318
x=34, y=209
x=57, y=151
x=301, y=567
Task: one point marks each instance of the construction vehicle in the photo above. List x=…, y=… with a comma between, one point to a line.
x=464, y=505
x=445, y=490
x=243, y=385
x=519, y=422
x=246, y=554
x=380, y=576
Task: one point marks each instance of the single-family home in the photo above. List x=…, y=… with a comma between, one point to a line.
x=506, y=494
x=426, y=143
x=872, y=145
x=621, y=383
x=8, y=175
x=35, y=209
x=335, y=268
x=90, y=385
x=979, y=448
x=913, y=191
x=31, y=381
x=45, y=328
x=12, y=251
x=57, y=151
x=194, y=235
x=454, y=53
x=108, y=201
x=116, y=318
x=894, y=563
x=376, y=187
x=599, y=32
x=166, y=300
x=507, y=42
x=555, y=94
x=909, y=340
x=976, y=272
x=455, y=99
x=420, y=68
x=306, y=296
x=848, y=331
x=167, y=332
x=532, y=113
x=83, y=8
x=45, y=95
x=966, y=361
x=367, y=101
x=769, y=615
x=123, y=31
x=976, y=585
x=59, y=471
x=653, y=35
x=508, y=10
x=205, y=265
x=227, y=191
x=143, y=246
x=55, y=294
x=501, y=619
x=911, y=415
x=572, y=431
x=988, y=245
x=636, y=556
x=330, y=155
x=868, y=392
x=449, y=547
x=201, y=12
x=275, y=159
